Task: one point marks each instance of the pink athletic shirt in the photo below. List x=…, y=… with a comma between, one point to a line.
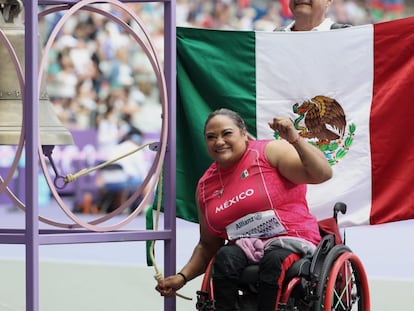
x=254, y=185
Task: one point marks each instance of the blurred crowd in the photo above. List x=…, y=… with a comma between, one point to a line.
x=99, y=77
x=265, y=15
x=97, y=73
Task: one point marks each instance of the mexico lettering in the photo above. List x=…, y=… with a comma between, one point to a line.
x=240, y=197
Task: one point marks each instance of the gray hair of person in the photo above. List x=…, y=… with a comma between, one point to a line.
x=237, y=119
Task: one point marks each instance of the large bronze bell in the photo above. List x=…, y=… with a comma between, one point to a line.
x=52, y=132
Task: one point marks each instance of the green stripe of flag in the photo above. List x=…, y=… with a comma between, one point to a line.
x=213, y=71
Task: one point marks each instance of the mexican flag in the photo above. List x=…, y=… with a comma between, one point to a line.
x=364, y=73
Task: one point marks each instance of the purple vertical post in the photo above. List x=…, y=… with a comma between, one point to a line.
x=170, y=164
x=30, y=107
x=30, y=112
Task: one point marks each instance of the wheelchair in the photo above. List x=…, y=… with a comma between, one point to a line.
x=333, y=278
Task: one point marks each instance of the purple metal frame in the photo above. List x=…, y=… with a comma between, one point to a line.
x=31, y=236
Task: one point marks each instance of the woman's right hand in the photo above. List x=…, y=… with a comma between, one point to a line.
x=170, y=285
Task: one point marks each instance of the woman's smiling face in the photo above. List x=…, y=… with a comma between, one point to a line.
x=226, y=142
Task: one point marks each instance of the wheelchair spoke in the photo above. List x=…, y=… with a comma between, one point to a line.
x=345, y=293
x=339, y=297
x=345, y=287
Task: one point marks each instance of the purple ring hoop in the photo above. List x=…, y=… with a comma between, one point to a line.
x=156, y=167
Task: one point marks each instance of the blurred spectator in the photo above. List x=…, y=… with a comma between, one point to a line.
x=383, y=10
x=122, y=178
x=285, y=12
x=246, y=19
x=64, y=82
x=182, y=11
x=119, y=71
x=270, y=19
x=108, y=132
x=357, y=12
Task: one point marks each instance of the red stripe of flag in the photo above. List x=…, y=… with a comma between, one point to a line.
x=391, y=122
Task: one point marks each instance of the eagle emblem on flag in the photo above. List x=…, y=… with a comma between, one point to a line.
x=322, y=121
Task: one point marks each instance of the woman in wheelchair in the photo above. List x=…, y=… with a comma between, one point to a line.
x=252, y=208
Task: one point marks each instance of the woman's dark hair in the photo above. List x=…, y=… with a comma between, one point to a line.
x=238, y=120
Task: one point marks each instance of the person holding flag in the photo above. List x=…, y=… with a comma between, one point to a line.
x=254, y=196
x=310, y=15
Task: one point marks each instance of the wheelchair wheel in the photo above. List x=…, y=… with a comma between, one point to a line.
x=294, y=296
x=205, y=296
x=343, y=284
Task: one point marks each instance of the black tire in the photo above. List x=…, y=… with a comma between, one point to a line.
x=333, y=254
x=343, y=283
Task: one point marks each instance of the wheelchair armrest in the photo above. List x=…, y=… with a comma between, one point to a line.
x=324, y=246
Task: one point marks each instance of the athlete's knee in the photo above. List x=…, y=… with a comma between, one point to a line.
x=229, y=262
